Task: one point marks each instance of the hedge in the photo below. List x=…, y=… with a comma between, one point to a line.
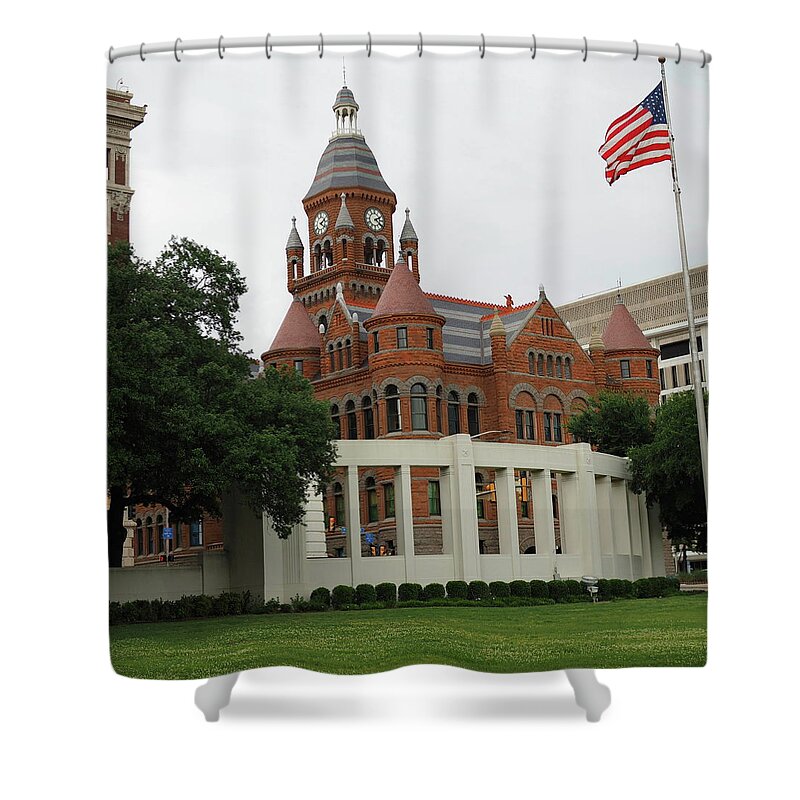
x=365, y=593
x=321, y=596
x=433, y=591
x=478, y=590
x=188, y=607
x=409, y=591
x=558, y=591
x=457, y=589
x=520, y=588
x=499, y=589
x=539, y=589
x=343, y=595
x=386, y=593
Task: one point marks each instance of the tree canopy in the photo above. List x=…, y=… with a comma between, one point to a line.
x=670, y=471
x=614, y=422
x=186, y=421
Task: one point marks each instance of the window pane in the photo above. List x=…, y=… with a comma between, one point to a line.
x=520, y=424
x=402, y=338
x=419, y=414
x=530, y=427
x=434, y=505
x=388, y=500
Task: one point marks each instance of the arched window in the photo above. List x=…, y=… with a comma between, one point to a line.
x=369, y=250
x=531, y=364
x=317, y=257
x=328, y=253
x=525, y=417
x=568, y=368
x=419, y=407
x=139, y=538
x=540, y=364
x=339, y=359
x=473, y=420
x=348, y=354
x=375, y=412
x=338, y=505
x=336, y=421
x=344, y=249
x=439, y=409
x=352, y=423
x=379, y=252
x=479, y=495
x=453, y=415
x=369, y=421
x=372, y=500
x=150, y=541
x=330, y=353
x=323, y=320
x=559, y=367
x=549, y=366
x=159, y=533
x=393, y=421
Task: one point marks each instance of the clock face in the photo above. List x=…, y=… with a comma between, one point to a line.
x=374, y=219
x=321, y=223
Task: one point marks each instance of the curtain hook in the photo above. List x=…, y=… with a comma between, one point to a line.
x=419, y=46
x=533, y=49
x=637, y=50
x=704, y=59
x=267, y=47
x=482, y=46
x=110, y=57
x=141, y=54
x=175, y=49
x=679, y=53
x=321, y=46
x=369, y=44
x=585, y=48
x=220, y=48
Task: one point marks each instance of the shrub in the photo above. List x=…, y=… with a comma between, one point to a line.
x=557, y=591
x=300, y=604
x=478, y=590
x=320, y=596
x=365, y=593
x=520, y=588
x=457, y=589
x=621, y=588
x=674, y=583
x=386, y=593
x=409, y=591
x=342, y=596
x=433, y=591
x=499, y=589
x=316, y=605
x=575, y=588
x=539, y=589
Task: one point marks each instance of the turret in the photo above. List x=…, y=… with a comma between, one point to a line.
x=497, y=334
x=345, y=233
x=597, y=352
x=296, y=344
x=294, y=256
x=409, y=245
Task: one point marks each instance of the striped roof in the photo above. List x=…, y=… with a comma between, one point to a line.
x=345, y=97
x=347, y=163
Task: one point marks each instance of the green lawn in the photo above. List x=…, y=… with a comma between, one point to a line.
x=669, y=632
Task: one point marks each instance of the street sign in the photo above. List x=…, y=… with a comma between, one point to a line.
x=370, y=537
x=343, y=529
x=166, y=533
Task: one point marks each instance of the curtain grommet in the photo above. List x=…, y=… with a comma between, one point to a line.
x=220, y=48
x=267, y=46
x=110, y=58
x=585, y=48
x=482, y=46
x=705, y=60
x=141, y=54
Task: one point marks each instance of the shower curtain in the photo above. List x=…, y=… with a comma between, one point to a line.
x=397, y=347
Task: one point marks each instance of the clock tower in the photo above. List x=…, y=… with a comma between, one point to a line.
x=349, y=207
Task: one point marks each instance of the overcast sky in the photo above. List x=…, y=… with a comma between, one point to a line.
x=497, y=159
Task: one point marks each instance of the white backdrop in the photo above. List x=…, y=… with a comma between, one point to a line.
x=73, y=723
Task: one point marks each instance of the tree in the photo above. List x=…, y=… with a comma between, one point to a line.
x=186, y=422
x=614, y=422
x=670, y=471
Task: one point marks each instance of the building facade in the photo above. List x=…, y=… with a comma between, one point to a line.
x=395, y=362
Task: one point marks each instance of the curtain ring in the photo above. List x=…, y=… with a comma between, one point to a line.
x=369, y=44
x=110, y=59
x=585, y=48
x=419, y=46
x=637, y=49
x=321, y=46
x=482, y=46
x=175, y=49
x=533, y=49
x=141, y=54
x=679, y=53
x=704, y=59
x=267, y=47
x=220, y=48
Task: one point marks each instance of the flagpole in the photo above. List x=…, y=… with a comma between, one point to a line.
x=698, y=381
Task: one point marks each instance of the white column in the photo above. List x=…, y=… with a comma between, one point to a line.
x=583, y=504
x=656, y=543
x=404, y=516
x=606, y=525
x=507, y=523
x=314, y=524
x=644, y=527
x=634, y=525
x=353, y=516
x=543, y=526
x=463, y=509
x=621, y=529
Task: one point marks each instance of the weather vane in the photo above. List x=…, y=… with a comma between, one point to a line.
x=344, y=73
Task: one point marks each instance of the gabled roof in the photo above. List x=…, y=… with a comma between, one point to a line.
x=402, y=294
x=622, y=332
x=297, y=331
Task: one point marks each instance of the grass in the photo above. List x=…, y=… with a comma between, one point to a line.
x=667, y=632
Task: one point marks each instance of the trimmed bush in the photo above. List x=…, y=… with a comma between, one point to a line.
x=321, y=596
x=656, y=587
x=520, y=589
x=342, y=596
x=409, y=591
x=499, y=589
x=575, y=588
x=478, y=590
x=539, y=589
x=433, y=591
x=365, y=593
x=386, y=593
x=457, y=589
x=558, y=591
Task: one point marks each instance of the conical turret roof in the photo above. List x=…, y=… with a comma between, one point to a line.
x=408, y=232
x=344, y=220
x=297, y=331
x=622, y=332
x=402, y=294
x=294, y=242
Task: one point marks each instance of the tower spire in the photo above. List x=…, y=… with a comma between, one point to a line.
x=344, y=73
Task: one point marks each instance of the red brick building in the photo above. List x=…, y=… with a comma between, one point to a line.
x=395, y=362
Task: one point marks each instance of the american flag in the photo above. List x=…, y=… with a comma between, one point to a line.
x=638, y=138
